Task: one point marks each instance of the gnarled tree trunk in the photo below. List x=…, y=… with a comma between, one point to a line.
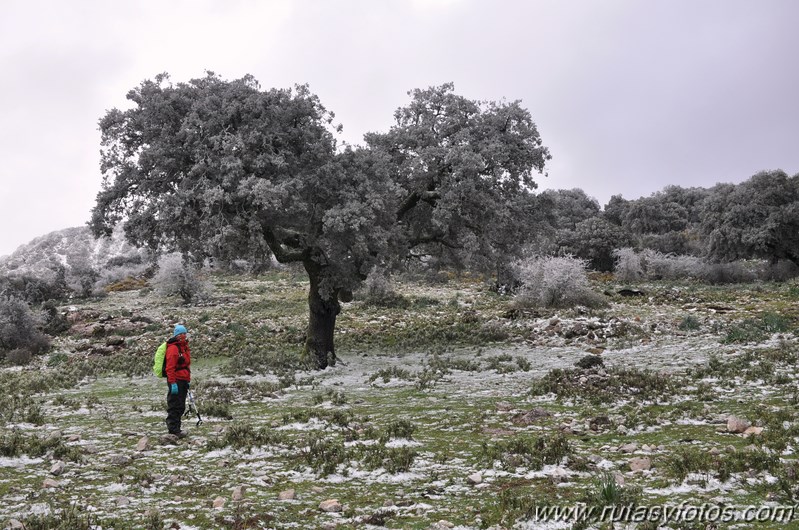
x=321, y=321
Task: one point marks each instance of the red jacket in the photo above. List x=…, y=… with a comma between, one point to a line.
x=178, y=360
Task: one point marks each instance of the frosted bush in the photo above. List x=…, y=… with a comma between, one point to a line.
x=19, y=326
x=627, y=267
x=378, y=290
x=178, y=278
x=555, y=282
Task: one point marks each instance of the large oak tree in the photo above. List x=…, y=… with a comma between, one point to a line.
x=225, y=169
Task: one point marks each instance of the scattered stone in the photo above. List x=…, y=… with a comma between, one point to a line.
x=730, y=449
x=531, y=416
x=619, y=478
x=122, y=501
x=14, y=524
x=317, y=489
x=238, y=493
x=595, y=351
x=640, y=463
x=224, y=463
x=475, y=478
x=331, y=505
x=753, y=431
x=57, y=468
x=168, y=439
x=621, y=429
x=90, y=449
x=737, y=425
x=286, y=495
x=143, y=444
x=50, y=483
x=596, y=424
x=714, y=451
x=119, y=460
x=442, y=525
x=53, y=436
x=503, y=406
x=629, y=448
x=114, y=341
x=73, y=437
x=219, y=503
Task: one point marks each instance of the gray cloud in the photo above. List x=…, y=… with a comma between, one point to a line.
x=629, y=96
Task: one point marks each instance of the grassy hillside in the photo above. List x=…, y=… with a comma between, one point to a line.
x=451, y=406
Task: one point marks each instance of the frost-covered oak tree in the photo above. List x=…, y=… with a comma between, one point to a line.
x=223, y=168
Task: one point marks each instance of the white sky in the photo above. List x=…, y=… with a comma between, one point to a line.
x=629, y=95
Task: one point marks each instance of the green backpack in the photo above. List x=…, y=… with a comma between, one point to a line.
x=159, y=362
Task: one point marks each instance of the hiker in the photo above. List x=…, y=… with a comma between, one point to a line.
x=178, y=377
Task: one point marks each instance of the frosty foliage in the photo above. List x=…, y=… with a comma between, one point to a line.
x=653, y=265
x=378, y=290
x=19, y=326
x=554, y=282
x=628, y=265
x=176, y=277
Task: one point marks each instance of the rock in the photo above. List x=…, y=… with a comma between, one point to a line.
x=503, y=406
x=238, y=493
x=122, y=501
x=119, y=460
x=753, y=431
x=475, y=478
x=443, y=524
x=143, y=444
x=629, y=448
x=714, y=451
x=595, y=351
x=73, y=437
x=286, y=495
x=596, y=424
x=57, y=468
x=531, y=416
x=219, y=503
x=640, y=463
x=114, y=341
x=331, y=505
x=168, y=439
x=730, y=449
x=53, y=436
x=737, y=425
x=90, y=449
x=50, y=483
x=317, y=489
x=619, y=478
x=13, y=524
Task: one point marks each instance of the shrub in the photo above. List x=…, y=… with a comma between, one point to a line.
x=19, y=327
x=176, y=277
x=555, y=282
x=378, y=291
x=628, y=265
x=19, y=356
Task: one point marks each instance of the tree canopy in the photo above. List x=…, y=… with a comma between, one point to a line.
x=225, y=169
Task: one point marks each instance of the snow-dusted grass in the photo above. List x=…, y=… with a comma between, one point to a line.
x=450, y=399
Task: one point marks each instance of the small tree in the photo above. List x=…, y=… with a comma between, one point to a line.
x=555, y=282
x=19, y=326
x=177, y=277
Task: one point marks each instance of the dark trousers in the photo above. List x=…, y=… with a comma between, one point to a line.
x=176, y=406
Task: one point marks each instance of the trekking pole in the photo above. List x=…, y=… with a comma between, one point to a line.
x=193, y=404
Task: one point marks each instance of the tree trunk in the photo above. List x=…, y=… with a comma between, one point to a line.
x=321, y=321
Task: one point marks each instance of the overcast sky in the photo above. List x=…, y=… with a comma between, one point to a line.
x=629, y=96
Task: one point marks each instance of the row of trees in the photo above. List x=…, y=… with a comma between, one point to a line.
x=758, y=218
x=225, y=170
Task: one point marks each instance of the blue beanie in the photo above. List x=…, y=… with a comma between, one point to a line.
x=179, y=330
